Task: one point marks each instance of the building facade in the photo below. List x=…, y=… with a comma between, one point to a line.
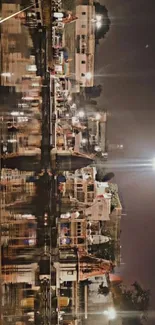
x=85, y=39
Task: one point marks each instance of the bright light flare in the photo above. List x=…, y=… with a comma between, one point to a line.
x=153, y=163
x=98, y=17
x=2, y=20
x=110, y=313
x=88, y=75
x=98, y=24
x=84, y=141
x=14, y=113
x=7, y=74
x=81, y=114
x=98, y=116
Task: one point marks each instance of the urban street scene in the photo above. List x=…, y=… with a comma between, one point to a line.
x=75, y=244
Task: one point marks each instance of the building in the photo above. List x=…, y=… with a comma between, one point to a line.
x=67, y=286
x=85, y=40
x=97, y=129
x=21, y=235
x=80, y=185
x=15, y=43
x=99, y=210
x=72, y=233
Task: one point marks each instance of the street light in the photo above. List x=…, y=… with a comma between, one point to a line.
x=7, y=74
x=88, y=75
x=98, y=17
x=98, y=116
x=15, y=113
x=98, y=24
x=81, y=114
x=84, y=141
x=110, y=313
x=97, y=149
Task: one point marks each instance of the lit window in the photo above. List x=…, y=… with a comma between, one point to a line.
x=32, y=68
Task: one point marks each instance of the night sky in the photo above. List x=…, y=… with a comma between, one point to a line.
x=127, y=73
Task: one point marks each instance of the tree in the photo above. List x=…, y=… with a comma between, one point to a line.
x=103, y=290
x=108, y=177
x=106, y=250
x=102, y=11
x=135, y=300
x=101, y=172
x=93, y=92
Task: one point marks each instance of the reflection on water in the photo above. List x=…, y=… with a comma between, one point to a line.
x=46, y=226
x=20, y=126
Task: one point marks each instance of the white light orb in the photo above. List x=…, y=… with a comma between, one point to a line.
x=88, y=75
x=81, y=114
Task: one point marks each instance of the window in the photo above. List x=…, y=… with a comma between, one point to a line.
x=38, y=15
x=83, y=62
x=83, y=51
x=70, y=272
x=78, y=44
x=83, y=13
x=83, y=36
x=82, y=75
x=83, y=26
x=90, y=188
x=79, y=185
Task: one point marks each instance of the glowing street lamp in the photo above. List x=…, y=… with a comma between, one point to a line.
x=84, y=141
x=98, y=24
x=88, y=75
x=110, y=313
x=7, y=74
x=81, y=114
x=98, y=116
x=98, y=17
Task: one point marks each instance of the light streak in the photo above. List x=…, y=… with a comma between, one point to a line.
x=2, y=20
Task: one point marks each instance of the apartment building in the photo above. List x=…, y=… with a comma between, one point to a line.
x=15, y=42
x=85, y=45
x=72, y=233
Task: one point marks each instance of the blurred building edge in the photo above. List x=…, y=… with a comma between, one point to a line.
x=85, y=39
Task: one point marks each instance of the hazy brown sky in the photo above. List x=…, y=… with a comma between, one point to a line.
x=128, y=77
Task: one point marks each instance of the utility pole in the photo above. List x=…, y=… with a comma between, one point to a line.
x=1, y=123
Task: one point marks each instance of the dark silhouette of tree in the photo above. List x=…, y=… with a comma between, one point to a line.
x=134, y=299
x=105, y=250
x=101, y=32
x=93, y=92
x=104, y=178
x=108, y=177
x=103, y=290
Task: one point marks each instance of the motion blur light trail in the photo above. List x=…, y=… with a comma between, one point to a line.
x=2, y=20
x=129, y=163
